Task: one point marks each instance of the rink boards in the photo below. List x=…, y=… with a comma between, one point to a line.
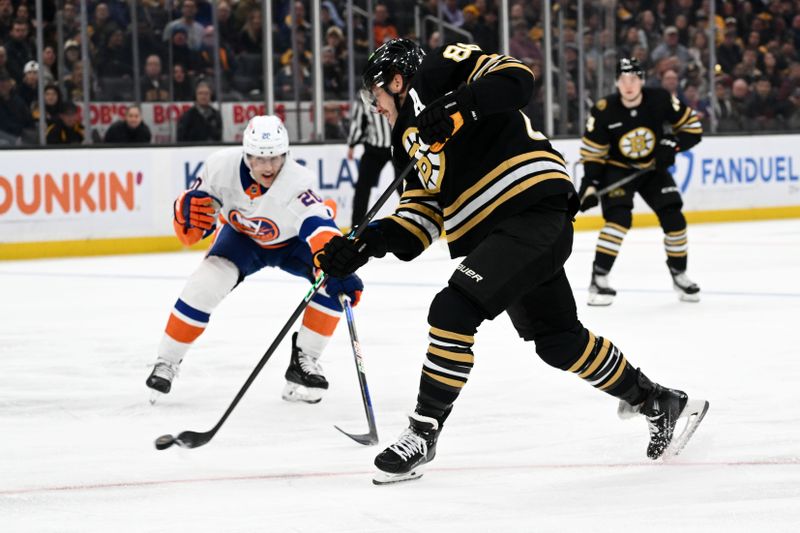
x=119, y=200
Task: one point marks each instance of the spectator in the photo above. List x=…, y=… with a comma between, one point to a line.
x=73, y=84
x=52, y=104
x=226, y=24
x=335, y=39
x=521, y=45
x=768, y=65
x=18, y=49
x=671, y=83
x=154, y=84
x=102, y=26
x=671, y=47
x=181, y=53
x=649, y=30
x=72, y=54
x=113, y=61
x=132, y=130
x=723, y=110
x=480, y=32
x=251, y=35
x=333, y=76
x=29, y=88
x=194, y=30
x=201, y=123
x=227, y=59
x=764, y=109
x=6, y=19
x=729, y=53
x=285, y=33
x=3, y=58
x=15, y=117
x=748, y=68
x=329, y=16
x=382, y=28
x=49, y=69
x=334, y=129
x=24, y=15
x=740, y=95
x=452, y=13
x=66, y=129
x=182, y=90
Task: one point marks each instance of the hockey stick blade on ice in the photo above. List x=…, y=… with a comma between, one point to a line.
x=371, y=437
x=194, y=439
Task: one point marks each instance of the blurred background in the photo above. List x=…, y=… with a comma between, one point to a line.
x=194, y=71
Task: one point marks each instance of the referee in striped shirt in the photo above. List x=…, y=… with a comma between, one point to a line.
x=374, y=132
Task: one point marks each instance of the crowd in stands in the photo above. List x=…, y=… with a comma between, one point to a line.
x=756, y=77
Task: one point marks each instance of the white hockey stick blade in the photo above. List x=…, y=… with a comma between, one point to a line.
x=385, y=478
x=694, y=412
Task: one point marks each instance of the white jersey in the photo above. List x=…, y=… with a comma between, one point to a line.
x=269, y=216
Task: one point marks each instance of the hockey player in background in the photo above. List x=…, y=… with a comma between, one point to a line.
x=506, y=201
x=625, y=133
x=270, y=217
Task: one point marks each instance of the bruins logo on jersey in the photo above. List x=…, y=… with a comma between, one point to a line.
x=637, y=143
x=430, y=166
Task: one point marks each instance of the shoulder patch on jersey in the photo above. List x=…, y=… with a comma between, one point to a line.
x=601, y=104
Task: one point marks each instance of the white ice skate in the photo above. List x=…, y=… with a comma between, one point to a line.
x=160, y=379
x=305, y=381
x=687, y=290
x=600, y=293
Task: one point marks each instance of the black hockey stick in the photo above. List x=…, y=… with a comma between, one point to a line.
x=194, y=439
x=627, y=179
x=371, y=437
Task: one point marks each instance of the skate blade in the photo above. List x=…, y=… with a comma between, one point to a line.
x=385, y=478
x=682, y=296
x=600, y=300
x=694, y=412
x=294, y=392
x=626, y=411
x=155, y=396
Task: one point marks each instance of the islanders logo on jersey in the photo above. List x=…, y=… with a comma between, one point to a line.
x=430, y=166
x=260, y=229
x=638, y=143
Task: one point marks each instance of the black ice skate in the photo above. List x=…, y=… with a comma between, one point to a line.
x=687, y=290
x=160, y=379
x=600, y=293
x=305, y=381
x=416, y=446
x=663, y=409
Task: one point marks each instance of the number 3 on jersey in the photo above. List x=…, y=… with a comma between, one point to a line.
x=459, y=51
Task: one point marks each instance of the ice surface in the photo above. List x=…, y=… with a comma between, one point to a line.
x=528, y=448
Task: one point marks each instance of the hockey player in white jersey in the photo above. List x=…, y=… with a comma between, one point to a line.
x=269, y=215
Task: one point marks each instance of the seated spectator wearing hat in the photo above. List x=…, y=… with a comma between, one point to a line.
x=671, y=47
x=72, y=54
x=52, y=104
x=15, y=117
x=29, y=88
x=66, y=129
x=131, y=130
x=481, y=34
x=181, y=53
x=201, y=123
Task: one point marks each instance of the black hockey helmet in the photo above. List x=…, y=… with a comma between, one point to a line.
x=398, y=56
x=629, y=65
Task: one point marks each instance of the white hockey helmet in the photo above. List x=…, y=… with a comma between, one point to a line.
x=265, y=136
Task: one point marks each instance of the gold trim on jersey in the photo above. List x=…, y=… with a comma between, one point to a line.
x=492, y=63
x=500, y=169
x=424, y=210
x=487, y=210
x=593, y=144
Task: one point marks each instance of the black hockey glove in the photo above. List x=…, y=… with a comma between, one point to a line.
x=440, y=120
x=342, y=256
x=586, y=193
x=665, y=152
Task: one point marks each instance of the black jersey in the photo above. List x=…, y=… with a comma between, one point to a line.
x=627, y=137
x=489, y=170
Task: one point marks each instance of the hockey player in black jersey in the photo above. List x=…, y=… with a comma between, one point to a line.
x=625, y=133
x=505, y=199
